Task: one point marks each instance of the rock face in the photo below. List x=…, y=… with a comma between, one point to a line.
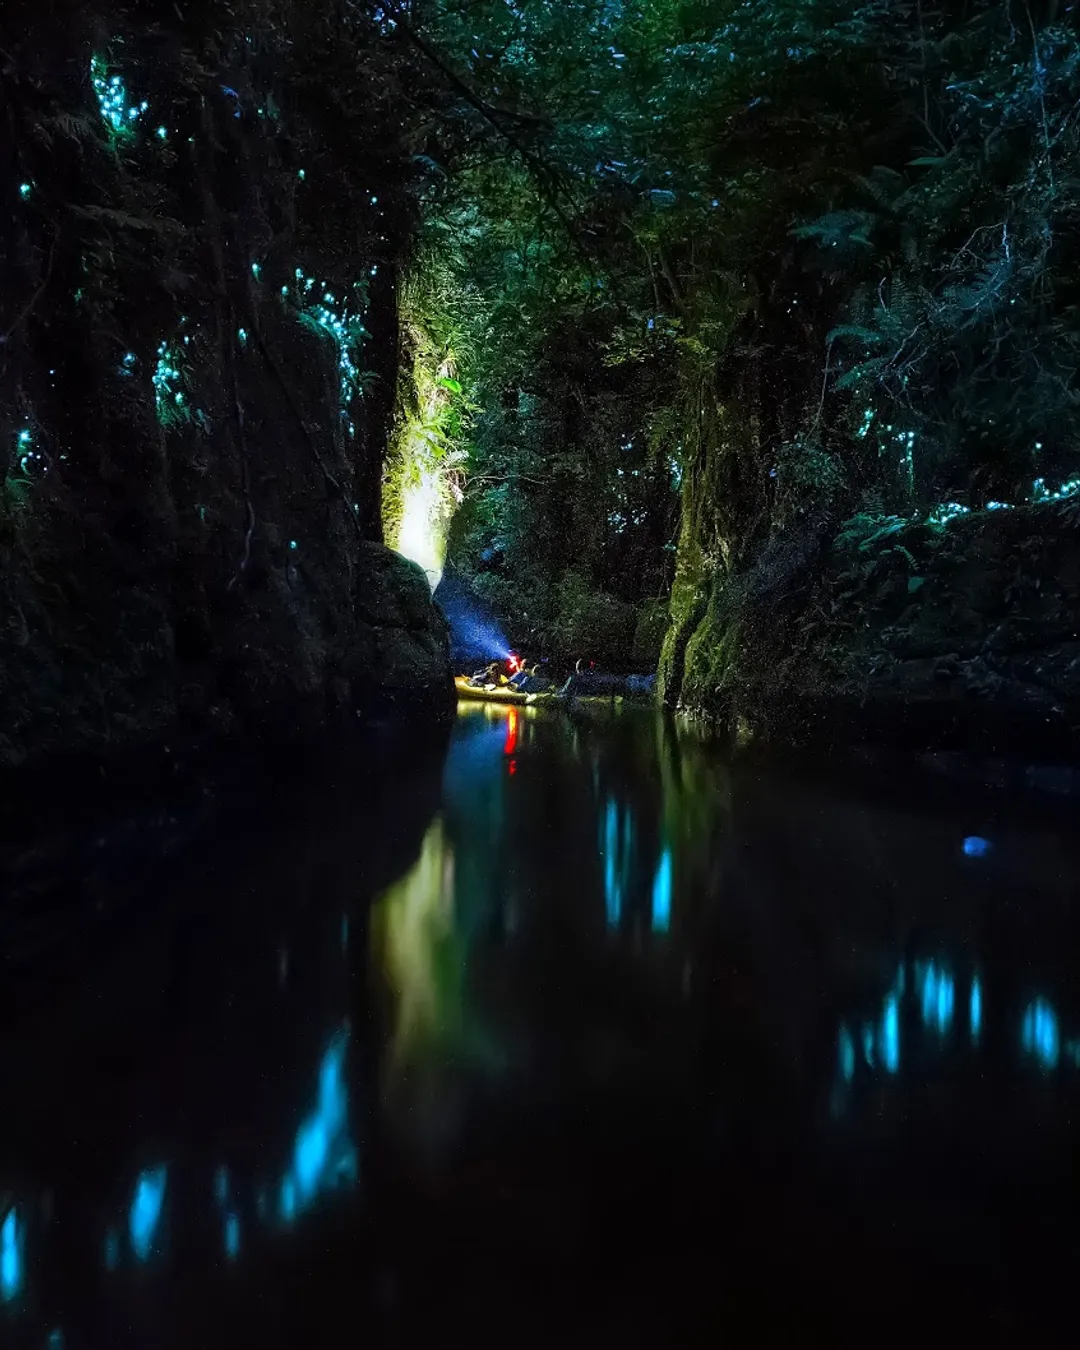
x=202, y=244
x=966, y=636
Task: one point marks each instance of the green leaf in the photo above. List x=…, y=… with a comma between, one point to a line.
x=445, y=382
x=915, y=585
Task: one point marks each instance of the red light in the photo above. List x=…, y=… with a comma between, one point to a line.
x=512, y=767
x=511, y=732
x=516, y=663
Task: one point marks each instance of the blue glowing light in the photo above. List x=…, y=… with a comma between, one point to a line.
x=937, y=997
x=975, y=1008
x=323, y=1154
x=288, y=1199
x=112, y=98
x=166, y=380
x=1039, y=1033
x=661, y=895
x=976, y=847
x=868, y=1044
x=890, y=1034
x=476, y=635
x=12, y=1242
x=232, y=1236
x=345, y=327
x=145, y=1213
x=221, y=1185
x=255, y=270
x=612, y=886
x=846, y=1047
x=24, y=190
x=161, y=133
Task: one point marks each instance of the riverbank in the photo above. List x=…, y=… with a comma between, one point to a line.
x=963, y=636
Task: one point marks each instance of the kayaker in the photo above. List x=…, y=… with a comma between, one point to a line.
x=485, y=679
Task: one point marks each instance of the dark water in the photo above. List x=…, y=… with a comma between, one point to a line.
x=582, y=1037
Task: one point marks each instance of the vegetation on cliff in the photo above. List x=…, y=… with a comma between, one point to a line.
x=638, y=313
x=759, y=275
x=206, y=219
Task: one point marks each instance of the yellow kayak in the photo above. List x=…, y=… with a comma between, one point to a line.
x=481, y=695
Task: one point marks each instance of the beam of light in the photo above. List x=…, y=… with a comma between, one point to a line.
x=12, y=1256
x=145, y=1213
x=661, y=895
x=421, y=533
x=1040, y=1035
x=323, y=1154
x=476, y=637
x=975, y=1009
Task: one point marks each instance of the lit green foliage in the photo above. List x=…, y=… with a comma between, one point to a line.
x=827, y=253
x=422, y=483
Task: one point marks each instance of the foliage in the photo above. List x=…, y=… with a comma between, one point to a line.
x=808, y=257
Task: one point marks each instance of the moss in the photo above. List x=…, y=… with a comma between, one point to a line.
x=649, y=633
x=710, y=666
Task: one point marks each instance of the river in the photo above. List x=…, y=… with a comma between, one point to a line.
x=580, y=1035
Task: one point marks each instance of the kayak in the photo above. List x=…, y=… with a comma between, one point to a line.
x=481, y=695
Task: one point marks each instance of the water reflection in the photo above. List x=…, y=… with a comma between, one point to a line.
x=12, y=1255
x=661, y=895
x=324, y=1156
x=936, y=994
x=617, y=852
x=603, y=933
x=1039, y=1033
x=935, y=987
x=232, y=1236
x=423, y=951
x=145, y=1213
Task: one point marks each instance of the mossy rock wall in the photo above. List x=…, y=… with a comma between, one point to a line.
x=966, y=636
x=196, y=388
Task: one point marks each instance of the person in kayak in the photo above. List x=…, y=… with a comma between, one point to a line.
x=491, y=678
